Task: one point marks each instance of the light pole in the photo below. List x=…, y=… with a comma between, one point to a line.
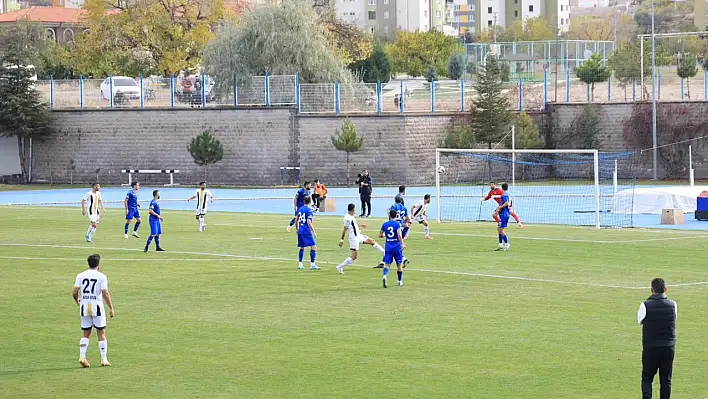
x=655, y=163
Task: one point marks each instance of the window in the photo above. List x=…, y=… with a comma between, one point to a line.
x=372, y=14
x=562, y=21
x=437, y=1
x=489, y=23
x=385, y=2
x=567, y=21
x=437, y=14
x=372, y=30
x=385, y=14
x=425, y=13
x=516, y=1
x=516, y=13
x=531, y=8
x=489, y=10
x=372, y=2
x=561, y=7
x=386, y=29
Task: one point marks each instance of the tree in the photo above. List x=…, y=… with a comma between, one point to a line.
x=603, y=27
x=206, y=150
x=413, y=52
x=687, y=68
x=626, y=63
x=349, y=42
x=277, y=38
x=586, y=128
x=532, y=29
x=456, y=66
x=469, y=37
x=527, y=134
x=669, y=16
x=375, y=68
x=23, y=114
x=432, y=74
x=346, y=140
x=593, y=71
x=491, y=116
x=57, y=62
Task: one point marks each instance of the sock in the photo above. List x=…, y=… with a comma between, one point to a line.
x=379, y=248
x=88, y=232
x=501, y=238
x=405, y=231
x=400, y=275
x=506, y=239
x=427, y=230
x=103, y=348
x=157, y=241
x=385, y=271
x=347, y=261
x=301, y=254
x=137, y=224
x=149, y=242
x=201, y=222
x=92, y=231
x=292, y=222
x=127, y=226
x=313, y=255
x=515, y=217
x=83, y=346
x=496, y=218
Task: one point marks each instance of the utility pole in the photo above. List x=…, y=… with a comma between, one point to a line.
x=495, y=28
x=655, y=163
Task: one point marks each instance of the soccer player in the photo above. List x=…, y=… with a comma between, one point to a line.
x=403, y=218
x=306, y=234
x=355, y=238
x=504, y=213
x=420, y=214
x=92, y=204
x=299, y=201
x=402, y=193
x=201, y=197
x=496, y=193
x=394, y=247
x=132, y=210
x=155, y=222
x=90, y=290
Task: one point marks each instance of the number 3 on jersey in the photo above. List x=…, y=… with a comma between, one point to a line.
x=390, y=233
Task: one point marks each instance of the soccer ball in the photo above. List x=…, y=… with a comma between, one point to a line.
x=441, y=169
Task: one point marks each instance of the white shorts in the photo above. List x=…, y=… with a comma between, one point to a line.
x=420, y=218
x=200, y=212
x=99, y=322
x=357, y=241
x=95, y=218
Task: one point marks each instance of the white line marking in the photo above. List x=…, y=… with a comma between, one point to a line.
x=261, y=258
x=114, y=259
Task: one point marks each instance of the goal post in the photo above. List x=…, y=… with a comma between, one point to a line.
x=549, y=186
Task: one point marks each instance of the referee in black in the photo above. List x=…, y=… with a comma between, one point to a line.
x=657, y=315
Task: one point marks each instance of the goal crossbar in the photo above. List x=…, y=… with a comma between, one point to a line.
x=596, y=169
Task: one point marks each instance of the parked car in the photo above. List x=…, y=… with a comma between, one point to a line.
x=189, y=89
x=128, y=87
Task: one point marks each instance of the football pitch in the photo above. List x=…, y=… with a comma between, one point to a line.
x=226, y=313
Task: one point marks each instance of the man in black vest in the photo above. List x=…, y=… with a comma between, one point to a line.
x=657, y=315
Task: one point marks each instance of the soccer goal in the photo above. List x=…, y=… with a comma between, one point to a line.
x=567, y=187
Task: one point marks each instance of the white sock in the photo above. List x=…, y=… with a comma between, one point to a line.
x=347, y=261
x=379, y=248
x=88, y=232
x=103, y=348
x=83, y=346
x=299, y=264
x=427, y=230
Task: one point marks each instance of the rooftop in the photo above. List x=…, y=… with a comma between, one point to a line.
x=55, y=15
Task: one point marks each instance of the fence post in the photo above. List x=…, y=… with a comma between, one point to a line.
x=462, y=96
x=567, y=84
x=203, y=94
x=51, y=91
x=634, y=90
x=297, y=92
x=681, y=89
x=521, y=95
x=587, y=92
x=400, y=102
x=81, y=91
x=545, y=89
x=378, y=97
x=705, y=84
x=336, y=97
x=172, y=90
x=609, y=90
x=432, y=95
x=142, y=92
x=110, y=91
x=658, y=85
x=236, y=92
x=267, y=90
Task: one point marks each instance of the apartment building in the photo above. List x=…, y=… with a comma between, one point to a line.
x=387, y=16
x=479, y=15
x=9, y=5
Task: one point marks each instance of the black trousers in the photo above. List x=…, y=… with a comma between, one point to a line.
x=316, y=200
x=661, y=359
x=365, y=205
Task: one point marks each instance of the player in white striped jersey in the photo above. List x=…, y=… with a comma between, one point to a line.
x=419, y=213
x=90, y=290
x=202, y=204
x=356, y=238
x=92, y=205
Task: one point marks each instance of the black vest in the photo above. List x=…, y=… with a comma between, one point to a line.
x=659, y=325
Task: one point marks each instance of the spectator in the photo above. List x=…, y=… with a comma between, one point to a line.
x=365, y=189
x=320, y=195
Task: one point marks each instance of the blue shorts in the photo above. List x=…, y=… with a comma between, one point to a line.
x=155, y=227
x=133, y=213
x=503, y=221
x=392, y=254
x=305, y=240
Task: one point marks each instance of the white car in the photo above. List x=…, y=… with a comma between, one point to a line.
x=123, y=84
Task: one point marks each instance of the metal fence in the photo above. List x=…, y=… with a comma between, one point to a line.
x=401, y=96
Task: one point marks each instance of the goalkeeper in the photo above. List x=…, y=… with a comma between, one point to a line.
x=496, y=193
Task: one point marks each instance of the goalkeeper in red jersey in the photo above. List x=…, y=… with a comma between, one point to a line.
x=496, y=193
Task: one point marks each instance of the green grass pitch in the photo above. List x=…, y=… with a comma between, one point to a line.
x=226, y=314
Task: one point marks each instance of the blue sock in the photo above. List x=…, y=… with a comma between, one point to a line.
x=292, y=222
x=127, y=226
x=506, y=239
x=157, y=241
x=149, y=242
x=501, y=238
x=385, y=271
x=313, y=255
x=400, y=276
x=137, y=224
x=405, y=231
x=301, y=254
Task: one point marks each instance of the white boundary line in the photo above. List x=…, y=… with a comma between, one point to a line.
x=260, y=258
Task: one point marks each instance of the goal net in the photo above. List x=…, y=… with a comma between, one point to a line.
x=566, y=187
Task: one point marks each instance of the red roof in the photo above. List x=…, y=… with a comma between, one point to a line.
x=56, y=15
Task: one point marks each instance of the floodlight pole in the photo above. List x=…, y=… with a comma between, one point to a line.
x=513, y=156
x=655, y=164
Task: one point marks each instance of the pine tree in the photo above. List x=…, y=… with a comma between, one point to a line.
x=491, y=116
x=432, y=74
x=456, y=66
x=346, y=140
x=687, y=68
x=206, y=150
x=593, y=71
x=23, y=114
x=526, y=133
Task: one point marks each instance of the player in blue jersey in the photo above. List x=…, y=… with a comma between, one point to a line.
x=132, y=210
x=306, y=234
x=504, y=214
x=155, y=222
x=403, y=218
x=402, y=193
x=394, y=247
x=299, y=201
